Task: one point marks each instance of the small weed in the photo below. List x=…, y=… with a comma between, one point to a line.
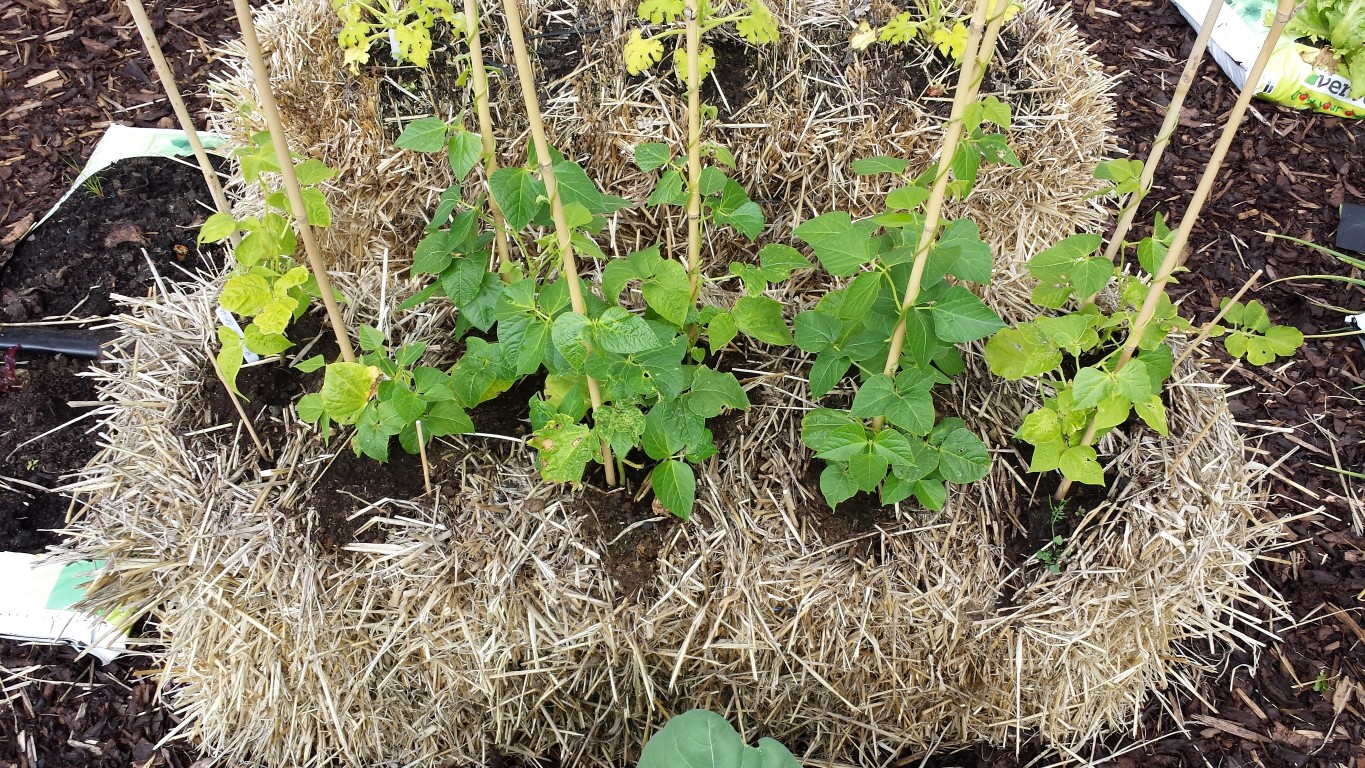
x=1320, y=683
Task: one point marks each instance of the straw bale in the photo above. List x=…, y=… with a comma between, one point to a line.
x=485, y=619
x=809, y=110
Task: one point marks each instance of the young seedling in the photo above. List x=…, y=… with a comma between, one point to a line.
x=932, y=20
x=406, y=24
x=267, y=287
x=384, y=395
x=1099, y=396
x=902, y=340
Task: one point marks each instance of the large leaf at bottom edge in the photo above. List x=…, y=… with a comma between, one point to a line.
x=701, y=739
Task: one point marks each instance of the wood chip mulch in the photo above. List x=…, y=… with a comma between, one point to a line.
x=68, y=68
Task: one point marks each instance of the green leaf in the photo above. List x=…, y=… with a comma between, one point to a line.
x=868, y=166
x=621, y=332
x=1079, y=464
x=1047, y=456
x=816, y=331
x=446, y=418
x=433, y=254
x=1111, y=411
x=405, y=403
x=315, y=206
x=961, y=252
x=312, y=171
x=346, y=389
x=1041, y=426
x=669, y=191
x=668, y=292
x=217, y=227
x=427, y=134
x=1124, y=173
x=963, y=458
x=860, y=295
x=1054, y=264
x=310, y=407
x=714, y=391
x=675, y=486
x=721, y=329
x=907, y=198
x=311, y=364
x=760, y=317
x=1014, y=353
x=911, y=458
x=371, y=339
x=1134, y=381
x=931, y=493
x=653, y=155
x=265, y=343
x=827, y=370
x=701, y=739
x=961, y=317
x=570, y=337
x=841, y=245
x=464, y=150
x=909, y=407
x=518, y=193
x=565, y=448
x=1090, y=276
x=833, y=435
x=671, y=428
x=1090, y=386
x=836, y=485
x=445, y=205
x=868, y=470
x=780, y=261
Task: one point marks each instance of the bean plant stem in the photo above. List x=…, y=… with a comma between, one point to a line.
x=967, y=85
x=479, y=87
x=261, y=74
x=1163, y=135
x=693, y=15
x=525, y=74
x=1175, y=256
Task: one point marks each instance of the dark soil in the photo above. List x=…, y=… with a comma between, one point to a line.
x=91, y=248
x=630, y=557
x=351, y=484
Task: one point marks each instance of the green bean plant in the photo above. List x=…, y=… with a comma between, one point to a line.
x=406, y=23
x=1097, y=368
x=267, y=288
x=932, y=20
x=899, y=288
x=755, y=23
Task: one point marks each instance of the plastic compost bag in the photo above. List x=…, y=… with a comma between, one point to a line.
x=1297, y=75
x=38, y=605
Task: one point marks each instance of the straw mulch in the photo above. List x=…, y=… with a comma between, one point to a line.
x=487, y=620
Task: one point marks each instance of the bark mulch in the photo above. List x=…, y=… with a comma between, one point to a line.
x=69, y=68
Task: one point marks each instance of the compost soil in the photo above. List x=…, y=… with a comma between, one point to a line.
x=1299, y=703
x=113, y=236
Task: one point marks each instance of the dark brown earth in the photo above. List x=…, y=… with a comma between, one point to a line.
x=1299, y=704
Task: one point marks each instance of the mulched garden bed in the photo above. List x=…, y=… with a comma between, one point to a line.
x=1300, y=703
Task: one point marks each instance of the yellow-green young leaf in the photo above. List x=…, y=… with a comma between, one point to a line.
x=1047, y=456
x=312, y=171
x=1013, y=353
x=1283, y=340
x=618, y=425
x=675, y=486
x=1125, y=174
x=265, y=343
x=1041, y=426
x=346, y=389
x=565, y=449
x=1090, y=386
x=245, y=295
x=660, y=11
x=294, y=278
x=706, y=62
x=217, y=227
x=1111, y=412
x=952, y=42
x=1080, y=464
x=641, y=53
x=274, y=317
x=1153, y=412
x=759, y=27
x=230, y=357
x=310, y=407
x=899, y=30
x=315, y=204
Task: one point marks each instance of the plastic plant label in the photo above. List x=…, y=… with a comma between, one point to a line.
x=37, y=606
x=1297, y=75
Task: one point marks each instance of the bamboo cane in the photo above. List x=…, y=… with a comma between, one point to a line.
x=1163, y=135
x=693, y=15
x=1175, y=256
x=261, y=74
x=974, y=59
x=525, y=74
x=479, y=80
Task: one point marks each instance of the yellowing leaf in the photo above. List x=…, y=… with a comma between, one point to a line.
x=864, y=36
x=952, y=43
x=759, y=27
x=641, y=53
x=661, y=11
x=899, y=30
x=706, y=62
